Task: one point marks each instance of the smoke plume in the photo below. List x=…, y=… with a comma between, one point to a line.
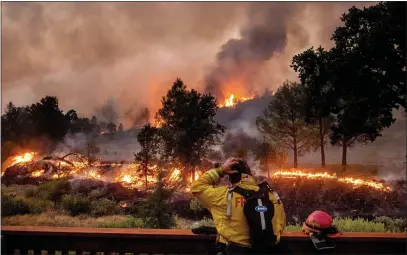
x=264, y=34
x=87, y=53
x=108, y=112
x=272, y=34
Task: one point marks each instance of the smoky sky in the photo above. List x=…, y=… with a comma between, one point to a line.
x=97, y=57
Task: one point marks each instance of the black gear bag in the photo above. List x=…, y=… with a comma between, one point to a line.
x=259, y=212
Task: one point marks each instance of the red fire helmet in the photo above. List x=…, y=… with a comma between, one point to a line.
x=320, y=222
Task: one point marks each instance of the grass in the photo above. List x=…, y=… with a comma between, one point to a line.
x=183, y=223
x=381, y=224
x=127, y=222
x=293, y=228
x=17, y=190
x=360, y=225
x=55, y=219
x=395, y=225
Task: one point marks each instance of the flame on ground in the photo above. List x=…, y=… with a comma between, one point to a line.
x=131, y=177
x=355, y=182
x=94, y=174
x=359, y=182
x=298, y=173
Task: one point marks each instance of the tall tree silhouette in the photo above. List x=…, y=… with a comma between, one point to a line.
x=188, y=127
x=313, y=67
x=149, y=140
x=48, y=120
x=368, y=72
x=284, y=123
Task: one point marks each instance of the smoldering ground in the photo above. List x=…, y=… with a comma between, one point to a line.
x=88, y=53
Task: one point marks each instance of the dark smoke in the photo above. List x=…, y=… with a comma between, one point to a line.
x=88, y=52
x=138, y=116
x=273, y=33
x=238, y=142
x=263, y=35
x=108, y=112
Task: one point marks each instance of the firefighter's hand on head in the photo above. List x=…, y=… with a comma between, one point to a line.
x=227, y=166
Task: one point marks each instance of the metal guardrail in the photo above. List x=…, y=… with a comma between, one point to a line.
x=78, y=240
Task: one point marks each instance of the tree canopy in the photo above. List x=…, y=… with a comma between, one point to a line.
x=149, y=140
x=361, y=79
x=373, y=40
x=313, y=67
x=42, y=125
x=268, y=154
x=284, y=123
x=188, y=127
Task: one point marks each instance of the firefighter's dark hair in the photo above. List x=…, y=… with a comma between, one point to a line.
x=242, y=168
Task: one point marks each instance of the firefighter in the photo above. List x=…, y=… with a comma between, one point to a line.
x=227, y=211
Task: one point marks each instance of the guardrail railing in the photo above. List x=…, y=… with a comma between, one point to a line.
x=107, y=241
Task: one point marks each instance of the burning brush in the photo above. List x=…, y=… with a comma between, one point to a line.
x=130, y=176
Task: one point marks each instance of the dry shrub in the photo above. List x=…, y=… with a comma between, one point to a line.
x=76, y=204
x=53, y=190
x=358, y=225
x=127, y=222
x=103, y=207
x=20, y=205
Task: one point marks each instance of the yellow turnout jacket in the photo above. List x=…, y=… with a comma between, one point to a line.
x=233, y=229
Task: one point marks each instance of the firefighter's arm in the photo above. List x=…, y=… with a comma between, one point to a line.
x=279, y=220
x=204, y=188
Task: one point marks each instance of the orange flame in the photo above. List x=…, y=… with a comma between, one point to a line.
x=196, y=176
x=94, y=174
x=298, y=173
x=176, y=174
x=26, y=157
x=129, y=174
x=158, y=123
x=349, y=180
x=359, y=182
x=232, y=100
x=37, y=173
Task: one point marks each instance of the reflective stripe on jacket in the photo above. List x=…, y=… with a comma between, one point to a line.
x=233, y=229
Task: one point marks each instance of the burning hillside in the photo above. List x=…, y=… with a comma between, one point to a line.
x=129, y=174
x=302, y=191
x=232, y=100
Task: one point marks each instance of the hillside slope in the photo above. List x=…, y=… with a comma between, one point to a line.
x=388, y=151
